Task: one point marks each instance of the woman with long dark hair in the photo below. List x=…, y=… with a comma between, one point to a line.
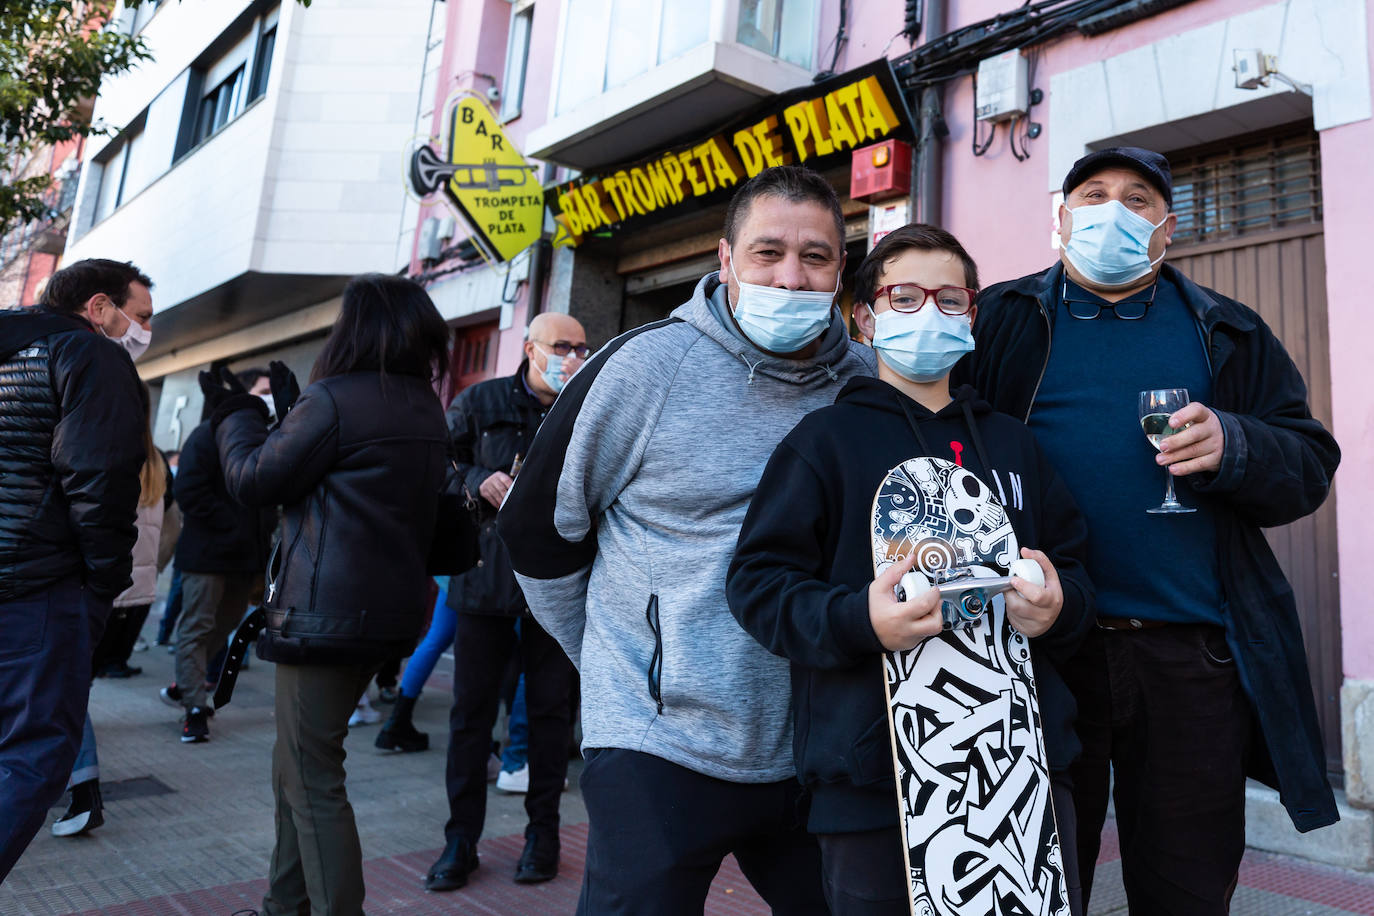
x=357, y=463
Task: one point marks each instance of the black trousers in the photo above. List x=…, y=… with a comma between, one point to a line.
x=481, y=647
x=865, y=875
x=659, y=832
x=1163, y=710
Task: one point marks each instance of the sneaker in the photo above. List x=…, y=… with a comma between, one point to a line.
x=364, y=714
x=84, y=814
x=197, y=727
x=171, y=695
x=387, y=694
x=516, y=782
x=140, y=645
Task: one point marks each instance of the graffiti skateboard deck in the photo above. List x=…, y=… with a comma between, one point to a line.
x=973, y=786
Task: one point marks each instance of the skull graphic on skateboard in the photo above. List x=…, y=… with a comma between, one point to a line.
x=973, y=784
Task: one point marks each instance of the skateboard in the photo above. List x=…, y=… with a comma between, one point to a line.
x=973, y=786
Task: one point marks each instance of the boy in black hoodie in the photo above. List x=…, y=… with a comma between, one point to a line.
x=802, y=578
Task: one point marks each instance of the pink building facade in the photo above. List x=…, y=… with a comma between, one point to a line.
x=1272, y=184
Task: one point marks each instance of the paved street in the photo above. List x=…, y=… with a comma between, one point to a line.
x=188, y=828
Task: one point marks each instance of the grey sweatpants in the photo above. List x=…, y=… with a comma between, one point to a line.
x=212, y=605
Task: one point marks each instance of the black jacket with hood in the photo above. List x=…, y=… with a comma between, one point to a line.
x=799, y=580
x=71, y=448
x=219, y=534
x=1276, y=468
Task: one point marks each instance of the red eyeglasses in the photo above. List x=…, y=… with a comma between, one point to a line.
x=909, y=297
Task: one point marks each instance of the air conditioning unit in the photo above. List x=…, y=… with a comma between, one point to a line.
x=1003, y=87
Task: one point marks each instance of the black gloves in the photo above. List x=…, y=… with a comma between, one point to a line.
x=285, y=388
x=224, y=394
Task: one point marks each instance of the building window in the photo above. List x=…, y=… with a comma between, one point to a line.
x=517, y=57
x=781, y=28
x=217, y=107
x=116, y=168
x=607, y=43
x=1247, y=186
x=262, y=63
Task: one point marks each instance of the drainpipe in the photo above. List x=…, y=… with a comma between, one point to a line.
x=927, y=169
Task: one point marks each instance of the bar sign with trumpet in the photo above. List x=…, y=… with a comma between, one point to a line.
x=486, y=178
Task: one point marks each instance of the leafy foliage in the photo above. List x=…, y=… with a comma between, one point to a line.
x=53, y=55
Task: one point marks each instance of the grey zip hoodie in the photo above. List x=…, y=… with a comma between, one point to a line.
x=623, y=522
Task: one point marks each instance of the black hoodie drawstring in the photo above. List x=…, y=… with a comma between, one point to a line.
x=969, y=420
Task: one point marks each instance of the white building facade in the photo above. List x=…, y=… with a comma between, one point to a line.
x=251, y=168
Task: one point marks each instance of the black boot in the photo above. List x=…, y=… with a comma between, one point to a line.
x=399, y=732
x=85, y=813
x=539, y=861
x=458, y=860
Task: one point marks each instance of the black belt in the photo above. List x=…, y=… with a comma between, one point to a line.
x=1129, y=623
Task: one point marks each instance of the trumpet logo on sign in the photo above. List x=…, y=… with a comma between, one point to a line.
x=856, y=112
x=486, y=178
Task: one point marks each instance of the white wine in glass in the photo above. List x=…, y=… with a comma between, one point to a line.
x=1155, y=409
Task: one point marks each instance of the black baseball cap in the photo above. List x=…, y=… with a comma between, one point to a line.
x=1150, y=165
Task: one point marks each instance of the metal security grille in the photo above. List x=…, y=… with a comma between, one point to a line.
x=1245, y=189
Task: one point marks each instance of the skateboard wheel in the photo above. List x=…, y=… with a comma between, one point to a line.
x=1028, y=570
x=911, y=585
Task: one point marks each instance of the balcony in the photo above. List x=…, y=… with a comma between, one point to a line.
x=666, y=72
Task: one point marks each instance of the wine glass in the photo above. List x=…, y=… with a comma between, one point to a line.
x=1156, y=407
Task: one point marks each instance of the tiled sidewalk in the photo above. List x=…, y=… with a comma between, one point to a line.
x=189, y=827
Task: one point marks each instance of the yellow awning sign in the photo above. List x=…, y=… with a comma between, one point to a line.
x=494, y=188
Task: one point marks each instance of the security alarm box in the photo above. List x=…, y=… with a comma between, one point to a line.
x=1003, y=87
x=880, y=171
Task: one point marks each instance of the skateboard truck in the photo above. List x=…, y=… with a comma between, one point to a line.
x=964, y=596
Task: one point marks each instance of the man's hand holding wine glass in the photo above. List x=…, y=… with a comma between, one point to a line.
x=1196, y=446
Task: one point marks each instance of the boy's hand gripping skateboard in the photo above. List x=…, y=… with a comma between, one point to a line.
x=973, y=784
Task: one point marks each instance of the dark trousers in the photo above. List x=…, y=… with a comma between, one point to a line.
x=481, y=646
x=171, y=611
x=1163, y=709
x=317, y=864
x=46, y=640
x=659, y=832
x=215, y=603
x=864, y=873
x=121, y=632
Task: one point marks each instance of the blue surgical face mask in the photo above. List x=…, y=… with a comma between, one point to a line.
x=781, y=320
x=921, y=346
x=553, y=372
x=1110, y=245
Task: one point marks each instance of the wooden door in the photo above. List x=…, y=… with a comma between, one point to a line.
x=1252, y=213
x=473, y=359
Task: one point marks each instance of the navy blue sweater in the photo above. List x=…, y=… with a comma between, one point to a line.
x=799, y=580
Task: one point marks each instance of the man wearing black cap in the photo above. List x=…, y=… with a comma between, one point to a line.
x=1195, y=676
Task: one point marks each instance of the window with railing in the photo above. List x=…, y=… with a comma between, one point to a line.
x=1247, y=187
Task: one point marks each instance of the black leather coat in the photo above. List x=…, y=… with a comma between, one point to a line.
x=71, y=447
x=218, y=533
x=490, y=424
x=357, y=465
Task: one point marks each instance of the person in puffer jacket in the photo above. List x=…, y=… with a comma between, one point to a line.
x=86, y=811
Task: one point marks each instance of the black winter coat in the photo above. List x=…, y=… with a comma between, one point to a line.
x=358, y=465
x=71, y=447
x=801, y=572
x=490, y=424
x=219, y=534
x=1276, y=468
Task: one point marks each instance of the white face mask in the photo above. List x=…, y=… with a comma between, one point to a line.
x=1109, y=245
x=135, y=338
x=781, y=320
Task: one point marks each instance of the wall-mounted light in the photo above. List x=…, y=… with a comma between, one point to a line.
x=1253, y=68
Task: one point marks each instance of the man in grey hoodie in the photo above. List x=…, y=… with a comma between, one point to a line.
x=621, y=528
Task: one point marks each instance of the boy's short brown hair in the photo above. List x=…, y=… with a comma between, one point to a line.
x=918, y=236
